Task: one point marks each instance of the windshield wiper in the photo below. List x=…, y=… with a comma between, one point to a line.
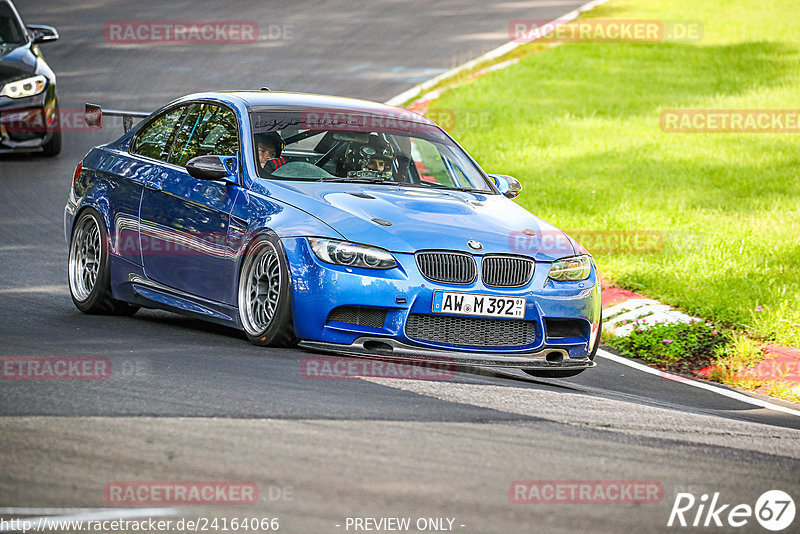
x=448, y=188
x=360, y=180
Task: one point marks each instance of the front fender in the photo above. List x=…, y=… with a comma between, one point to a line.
x=253, y=213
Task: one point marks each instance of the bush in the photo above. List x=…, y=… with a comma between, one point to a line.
x=677, y=347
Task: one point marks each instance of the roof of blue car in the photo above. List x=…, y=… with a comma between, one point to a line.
x=279, y=99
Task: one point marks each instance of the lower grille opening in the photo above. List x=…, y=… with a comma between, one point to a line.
x=470, y=331
x=359, y=315
x=554, y=357
x=560, y=328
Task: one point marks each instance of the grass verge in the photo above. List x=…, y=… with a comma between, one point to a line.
x=578, y=124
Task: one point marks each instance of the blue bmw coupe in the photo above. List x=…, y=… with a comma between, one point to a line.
x=343, y=225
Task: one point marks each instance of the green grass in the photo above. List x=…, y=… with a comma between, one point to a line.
x=578, y=124
x=740, y=354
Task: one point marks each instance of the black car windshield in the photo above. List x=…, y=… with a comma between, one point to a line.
x=354, y=146
x=10, y=30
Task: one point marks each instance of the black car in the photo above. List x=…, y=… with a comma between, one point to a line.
x=29, y=117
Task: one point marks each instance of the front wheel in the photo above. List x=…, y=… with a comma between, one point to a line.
x=89, y=270
x=53, y=146
x=264, y=299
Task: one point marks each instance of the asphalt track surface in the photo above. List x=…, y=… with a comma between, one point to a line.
x=193, y=401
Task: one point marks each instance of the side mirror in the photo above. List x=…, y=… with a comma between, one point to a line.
x=42, y=34
x=507, y=185
x=223, y=168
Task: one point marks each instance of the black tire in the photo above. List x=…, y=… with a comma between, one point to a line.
x=53, y=146
x=264, y=294
x=88, y=268
x=572, y=372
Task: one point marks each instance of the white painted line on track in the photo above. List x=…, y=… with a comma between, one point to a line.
x=492, y=54
x=47, y=511
x=697, y=384
x=80, y=515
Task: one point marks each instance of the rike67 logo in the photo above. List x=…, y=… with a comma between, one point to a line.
x=774, y=510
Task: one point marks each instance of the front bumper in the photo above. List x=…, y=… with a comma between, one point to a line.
x=27, y=124
x=318, y=288
x=549, y=358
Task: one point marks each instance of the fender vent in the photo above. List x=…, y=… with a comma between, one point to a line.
x=359, y=315
x=560, y=328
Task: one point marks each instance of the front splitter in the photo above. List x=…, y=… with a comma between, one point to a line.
x=379, y=347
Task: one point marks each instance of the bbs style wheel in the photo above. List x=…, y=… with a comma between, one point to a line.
x=264, y=299
x=88, y=268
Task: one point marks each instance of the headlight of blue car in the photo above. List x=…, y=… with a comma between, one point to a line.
x=352, y=254
x=571, y=269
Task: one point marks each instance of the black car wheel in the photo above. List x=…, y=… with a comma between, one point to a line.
x=53, y=146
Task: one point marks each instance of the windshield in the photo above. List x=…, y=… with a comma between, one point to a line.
x=339, y=145
x=10, y=30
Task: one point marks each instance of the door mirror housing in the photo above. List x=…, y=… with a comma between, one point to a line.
x=225, y=168
x=508, y=186
x=42, y=34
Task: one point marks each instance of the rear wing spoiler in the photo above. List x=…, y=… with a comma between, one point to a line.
x=94, y=116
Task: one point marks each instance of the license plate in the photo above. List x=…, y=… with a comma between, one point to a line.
x=475, y=304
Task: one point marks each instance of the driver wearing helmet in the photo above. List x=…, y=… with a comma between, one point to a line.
x=269, y=147
x=372, y=160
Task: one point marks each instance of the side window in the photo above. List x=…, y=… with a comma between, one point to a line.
x=208, y=129
x=155, y=140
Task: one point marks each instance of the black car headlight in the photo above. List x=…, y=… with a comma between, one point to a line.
x=571, y=269
x=352, y=254
x=24, y=88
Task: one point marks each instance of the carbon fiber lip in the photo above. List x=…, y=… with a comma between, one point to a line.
x=376, y=347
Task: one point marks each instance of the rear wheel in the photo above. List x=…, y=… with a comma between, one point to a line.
x=265, y=309
x=571, y=372
x=89, y=269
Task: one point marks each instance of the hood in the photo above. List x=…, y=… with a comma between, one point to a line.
x=427, y=219
x=16, y=61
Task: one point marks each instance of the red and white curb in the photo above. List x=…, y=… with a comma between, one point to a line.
x=621, y=319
